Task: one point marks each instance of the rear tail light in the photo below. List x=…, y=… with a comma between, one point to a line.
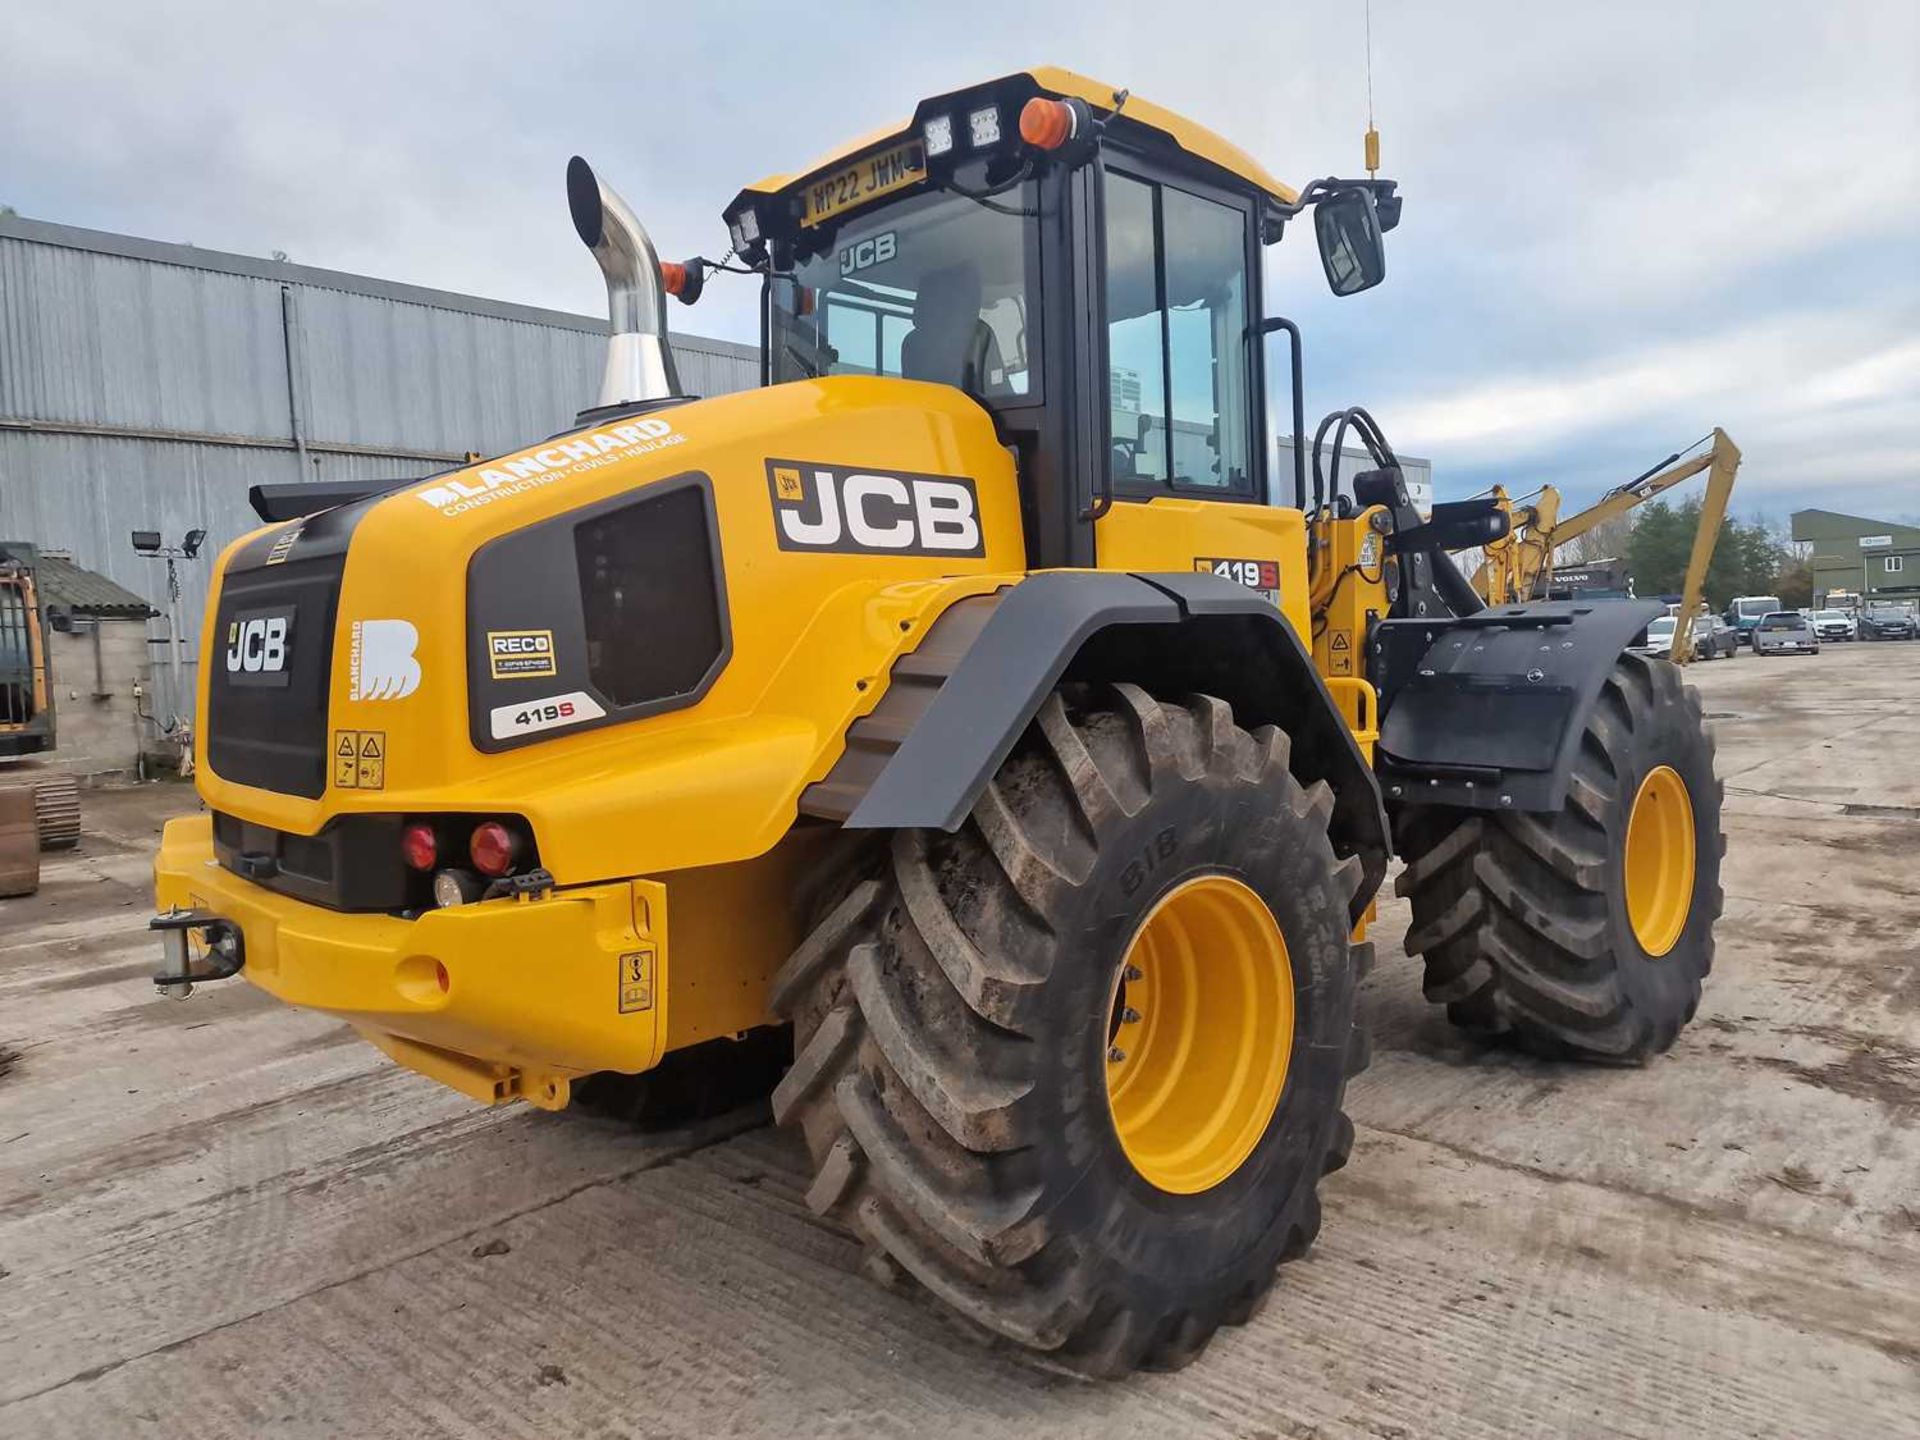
x=494, y=848
x=419, y=846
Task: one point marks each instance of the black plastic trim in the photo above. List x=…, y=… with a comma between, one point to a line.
x=531, y=592
x=1175, y=632
x=1486, y=711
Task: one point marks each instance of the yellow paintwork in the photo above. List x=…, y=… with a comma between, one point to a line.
x=1348, y=591
x=1196, y=140
x=1169, y=533
x=813, y=637
x=532, y=985
x=694, y=802
x=1659, y=860
x=1202, y=1035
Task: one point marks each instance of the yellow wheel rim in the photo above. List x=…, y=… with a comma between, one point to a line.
x=1660, y=860
x=1200, y=1034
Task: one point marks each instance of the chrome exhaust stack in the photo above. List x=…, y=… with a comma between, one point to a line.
x=639, y=359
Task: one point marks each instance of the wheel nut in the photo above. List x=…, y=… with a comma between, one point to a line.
x=1129, y=1016
x=1116, y=1054
x=1135, y=973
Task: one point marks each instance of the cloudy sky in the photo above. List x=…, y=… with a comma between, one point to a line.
x=1625, y=222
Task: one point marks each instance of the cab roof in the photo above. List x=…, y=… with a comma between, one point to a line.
x=1196, y=140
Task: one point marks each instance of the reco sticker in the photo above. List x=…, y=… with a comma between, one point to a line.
x=520, y=654
x=869, y=512
x=576, y=707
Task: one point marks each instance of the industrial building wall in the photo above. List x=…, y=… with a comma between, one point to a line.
x=148, y=385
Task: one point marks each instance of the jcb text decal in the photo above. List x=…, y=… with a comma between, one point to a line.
x=870, y=512
x=259, y=643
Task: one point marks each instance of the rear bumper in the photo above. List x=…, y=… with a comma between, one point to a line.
x=507, y=999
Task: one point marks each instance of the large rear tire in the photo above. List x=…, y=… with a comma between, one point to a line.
x=1585, y=933
x=975, y=1027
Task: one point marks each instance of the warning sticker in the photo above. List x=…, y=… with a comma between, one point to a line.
x=359, y=759
x=1340, y=652
x=636, y=981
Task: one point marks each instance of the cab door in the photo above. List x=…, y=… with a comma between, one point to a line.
x=1187, y=461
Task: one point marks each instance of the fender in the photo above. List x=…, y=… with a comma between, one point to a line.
x=956, y=705
x=1486, y=710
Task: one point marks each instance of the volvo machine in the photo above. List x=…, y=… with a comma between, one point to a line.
x=970, y=717
x=39, y=807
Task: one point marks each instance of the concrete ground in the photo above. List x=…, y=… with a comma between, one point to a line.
x=226, y=1218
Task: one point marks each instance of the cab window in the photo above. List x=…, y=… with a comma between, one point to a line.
x=935, y=287
x=1177, y=352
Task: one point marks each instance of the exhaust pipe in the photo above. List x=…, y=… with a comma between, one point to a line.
x=639, y=360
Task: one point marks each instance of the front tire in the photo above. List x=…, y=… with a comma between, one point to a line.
x=958, y=1014
x=1586, y=933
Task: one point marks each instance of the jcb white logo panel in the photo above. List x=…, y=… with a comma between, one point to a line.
x=259, y=644
x=869, y=512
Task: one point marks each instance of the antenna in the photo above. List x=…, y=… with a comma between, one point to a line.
x=1373, y=135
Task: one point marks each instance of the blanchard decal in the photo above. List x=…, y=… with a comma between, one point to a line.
x=1262, y=576
x=873, y=512
x=380, y=663
x=520, y=654
x=532, y=469
x=576, y=707
x=259, y=645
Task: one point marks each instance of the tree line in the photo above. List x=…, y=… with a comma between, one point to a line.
x=1749, y=558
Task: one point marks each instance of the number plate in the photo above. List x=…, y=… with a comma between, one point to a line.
x=866, y=179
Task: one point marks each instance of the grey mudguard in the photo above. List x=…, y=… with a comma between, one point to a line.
x=1173, y=634
x=1486, y=710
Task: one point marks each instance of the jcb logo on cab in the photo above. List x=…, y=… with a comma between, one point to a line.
x=866, y=512
x=258, y=644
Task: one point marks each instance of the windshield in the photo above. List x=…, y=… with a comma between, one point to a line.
x=1830, y=615
x=1759, y=605
x=1662, y=627
x=1783, y=620
x=934, y=287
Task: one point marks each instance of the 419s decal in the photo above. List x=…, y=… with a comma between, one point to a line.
x=1262, y=576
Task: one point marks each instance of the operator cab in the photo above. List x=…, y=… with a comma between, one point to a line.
x=1083, y=263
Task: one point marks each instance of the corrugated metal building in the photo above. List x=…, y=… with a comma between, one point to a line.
x=146, y=385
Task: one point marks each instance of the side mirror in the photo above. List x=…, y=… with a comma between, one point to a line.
x=1351, y=250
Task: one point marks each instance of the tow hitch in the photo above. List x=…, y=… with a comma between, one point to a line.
x=221, y=950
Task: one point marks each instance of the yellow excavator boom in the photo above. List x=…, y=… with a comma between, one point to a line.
x=1519, y=566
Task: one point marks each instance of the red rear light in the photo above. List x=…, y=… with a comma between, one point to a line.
x=494, y=848
x=419, y=847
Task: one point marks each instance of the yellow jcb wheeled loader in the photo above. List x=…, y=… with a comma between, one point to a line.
x=971, y=704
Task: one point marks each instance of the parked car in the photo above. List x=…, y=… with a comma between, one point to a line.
x=1713, y=638
x=1832, y=624
x=1746, y=612
x=1784, y=632
x=1887, y=622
